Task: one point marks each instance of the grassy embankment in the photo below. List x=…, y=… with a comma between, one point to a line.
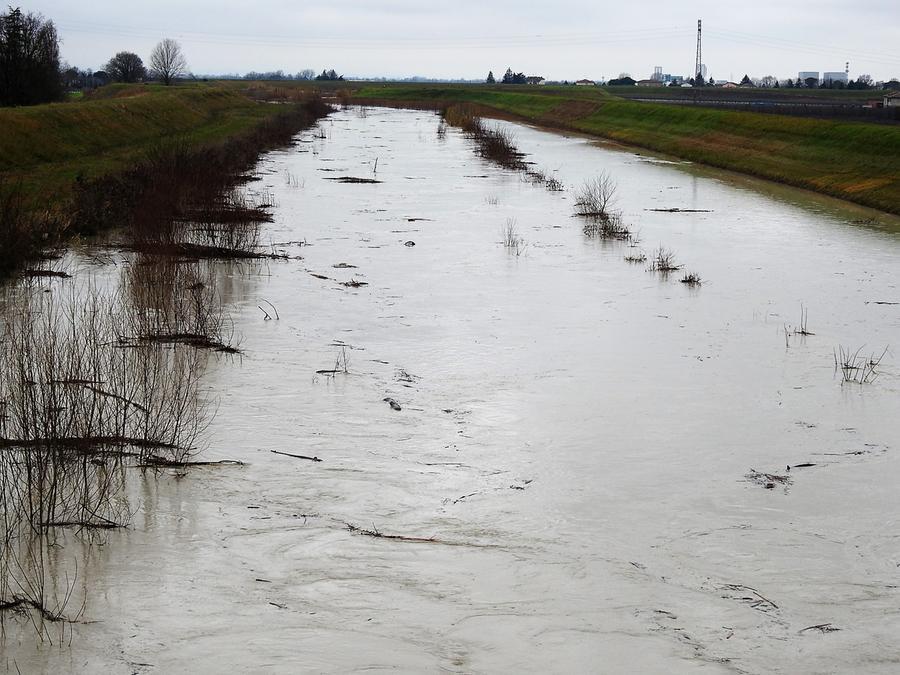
x=79, y=166
x=45, y=147
x=854, y=161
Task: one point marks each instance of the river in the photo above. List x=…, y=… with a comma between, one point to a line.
x=571, y=471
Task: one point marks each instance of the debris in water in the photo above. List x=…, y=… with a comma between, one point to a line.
x=409, y=243
x=353, y=179
x=391, y=402
x=768, y=480
x=756, y=601
x=677, y=210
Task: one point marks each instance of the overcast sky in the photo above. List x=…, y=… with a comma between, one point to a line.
x=564, y=39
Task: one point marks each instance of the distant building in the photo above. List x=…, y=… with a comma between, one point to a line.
x=838, y=76
x=649, y=83
x=892, y=100
x=730, y=85
x=535, y=79
x=804, y=75
x=585, y=83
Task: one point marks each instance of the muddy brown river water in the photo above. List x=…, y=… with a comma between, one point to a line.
x=575, y=444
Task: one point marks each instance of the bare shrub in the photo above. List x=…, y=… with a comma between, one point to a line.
x=691, y=279
x=611, y=227
x=596, y=197
x=172, y=301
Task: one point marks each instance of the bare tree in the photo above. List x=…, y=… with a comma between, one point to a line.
x=167, y=61
x=126, y=67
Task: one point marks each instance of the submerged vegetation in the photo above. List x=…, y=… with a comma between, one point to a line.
x=97, y=377
x=79, y=404
x=497, y=144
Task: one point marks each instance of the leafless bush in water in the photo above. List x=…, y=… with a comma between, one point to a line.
x=226, y=228
x=639, y=257
x=691, y=279
x=596, y=197
x=664, y=261
x=855, y=367
x=69, y=383
x=174, y=301
x=76, y=406
x=594, y=201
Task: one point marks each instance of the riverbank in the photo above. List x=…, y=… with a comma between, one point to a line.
x=854, y=161
x=79, y=167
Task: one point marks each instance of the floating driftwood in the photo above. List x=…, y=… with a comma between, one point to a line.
x=290, y=454
x=391, y=402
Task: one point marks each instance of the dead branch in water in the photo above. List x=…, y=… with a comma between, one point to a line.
x=821, y=627
x=396, y=537
x=18, y=603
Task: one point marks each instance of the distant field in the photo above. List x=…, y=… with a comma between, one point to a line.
x=855, y=161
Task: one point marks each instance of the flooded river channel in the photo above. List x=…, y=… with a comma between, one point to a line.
x=588, y=469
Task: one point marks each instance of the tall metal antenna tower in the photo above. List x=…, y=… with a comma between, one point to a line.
x=698, y=66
